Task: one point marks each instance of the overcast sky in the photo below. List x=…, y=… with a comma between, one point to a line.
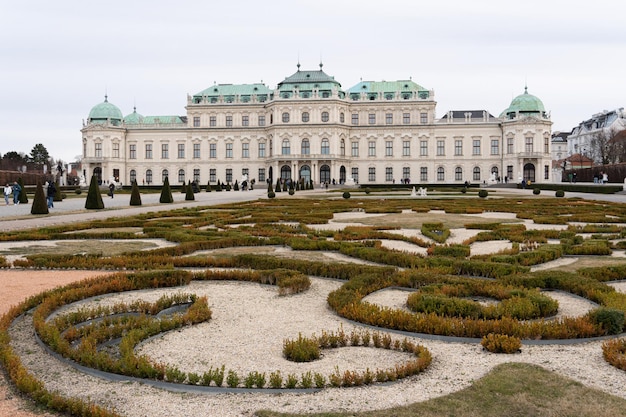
x=59, y=58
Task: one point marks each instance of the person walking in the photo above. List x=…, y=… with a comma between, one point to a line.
x=111, y=189
x=7, y=192
x=16, y=193
x=52, y=190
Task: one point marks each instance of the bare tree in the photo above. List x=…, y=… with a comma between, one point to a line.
x=604, y=148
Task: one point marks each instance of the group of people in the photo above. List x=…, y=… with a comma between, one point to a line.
x=15, y=190
x=49, y=190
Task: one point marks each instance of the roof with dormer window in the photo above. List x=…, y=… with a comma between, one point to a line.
x=309, y=80
x=225, y=90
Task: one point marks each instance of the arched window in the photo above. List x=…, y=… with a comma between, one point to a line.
x=305, y=117
x=181, y=176
x=164, y=174
x=476, y=174
x=133, y=175
x=305, y=147
x=441, y=174
x=148, y=176
x=342, y=118
x=285, y=117
x=342, y=146
x=325, y=147
x=286, y=147
x=458, y=174
x=324, y=116
x=285, y=172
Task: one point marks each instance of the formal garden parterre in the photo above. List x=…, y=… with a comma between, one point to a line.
x=448, y=286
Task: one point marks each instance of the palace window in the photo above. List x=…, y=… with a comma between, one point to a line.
x=495, y=146
x=406, y=118
x=164, y=174
x=196, y=151
x=305, y=147
x=245, y=150
x=342, y=118
x=133, y=176
x=388, y=148
x=441, y=148
x=354, y=148
x=406, y=148
x=213, y=175
x=116, y=150
x=458, y=174
x=476, y=174
x=286, y=148
x=98, y=150
x=355, y=118
x=441, y=174
x=148, y=176
x=389, y=174
x=261, y=120
x=132, y=151
x=529, y=144
x=148, y=151
x=355, y=174
x=371, y=118
x=229, y=121
x=245, y=120
x=423, y=118
x=389, y=118
x=229, y=150
x=371, y=148
x=342, y=148
x=509, y=146
x=458, y=148
x=212, y=121
x=196, y=121
x=261, y=149
x=181, y=151
x=305, y=117
x=229, y=175
x=165, y=151
x=324, y=116
x=476, y=147
x=423, y=148
x=181, y=176
x=285, y=117
x=423, y=174
x=406, y=173
x=325, y=147
x=371, y=175
x=261, y=174
x=213, y=150
x=196, y=175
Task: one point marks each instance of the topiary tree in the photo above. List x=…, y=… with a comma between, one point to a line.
x=219, y=186
x=236, y=186
x=285, y=185
x=58, y=196
x=23, y=197
x=40, y=205
x=135, y=195
x=189, y=192
x=559, y=193
x=269, y=186
x=271, y=194
x=278, y=188
x=208, y=187
x=94, y=198
x=346, y=194
x=166, y=192
x=483, y=193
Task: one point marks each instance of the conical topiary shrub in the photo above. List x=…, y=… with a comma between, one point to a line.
x=58, y=196
x=208, y=187
x=189, y=192
x=236, y=186
x=219, y=186
x=94, y=198
x=166, y=192
x=278, y=188
x=269, y=186
x=23, y=197
x=40, y=205
x=135, y=195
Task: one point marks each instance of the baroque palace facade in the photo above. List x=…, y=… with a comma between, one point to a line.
x=309, y=127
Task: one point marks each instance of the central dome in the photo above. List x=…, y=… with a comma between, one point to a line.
x=104, y=112
x=524, y=104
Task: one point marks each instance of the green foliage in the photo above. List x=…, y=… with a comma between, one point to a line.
x=94, y=198
x=436, y=232
x=611, y=319
x=23, y=197
x=232, y=379
x=278, y=188
x=166, y=192
x=291, y=191
x=302, y=349
x=40, y=205
x=135, y=195
x=482, y=193
x=559, y=193
x=536, y=191
x=346, y=194
x=189, y=196
x=271, y=194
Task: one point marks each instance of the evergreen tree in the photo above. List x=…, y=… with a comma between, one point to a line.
x=135, y=195
x=58, y=196
x=269, y=186
x=285, y=185
x=189, y=192
x=208, y=187
x=236, y=186
x=218, y=187
x=278, y=189
x=23, y=197
x=94, y=198
x=40, y=205
x=166, y=192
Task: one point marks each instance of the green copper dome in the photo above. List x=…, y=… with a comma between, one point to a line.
x=104, y=112
x=524, y=104
x=134, y=118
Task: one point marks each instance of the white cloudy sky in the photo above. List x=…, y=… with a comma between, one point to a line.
x=58, y=58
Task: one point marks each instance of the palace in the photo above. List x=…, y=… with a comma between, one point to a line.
x=375, y=132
